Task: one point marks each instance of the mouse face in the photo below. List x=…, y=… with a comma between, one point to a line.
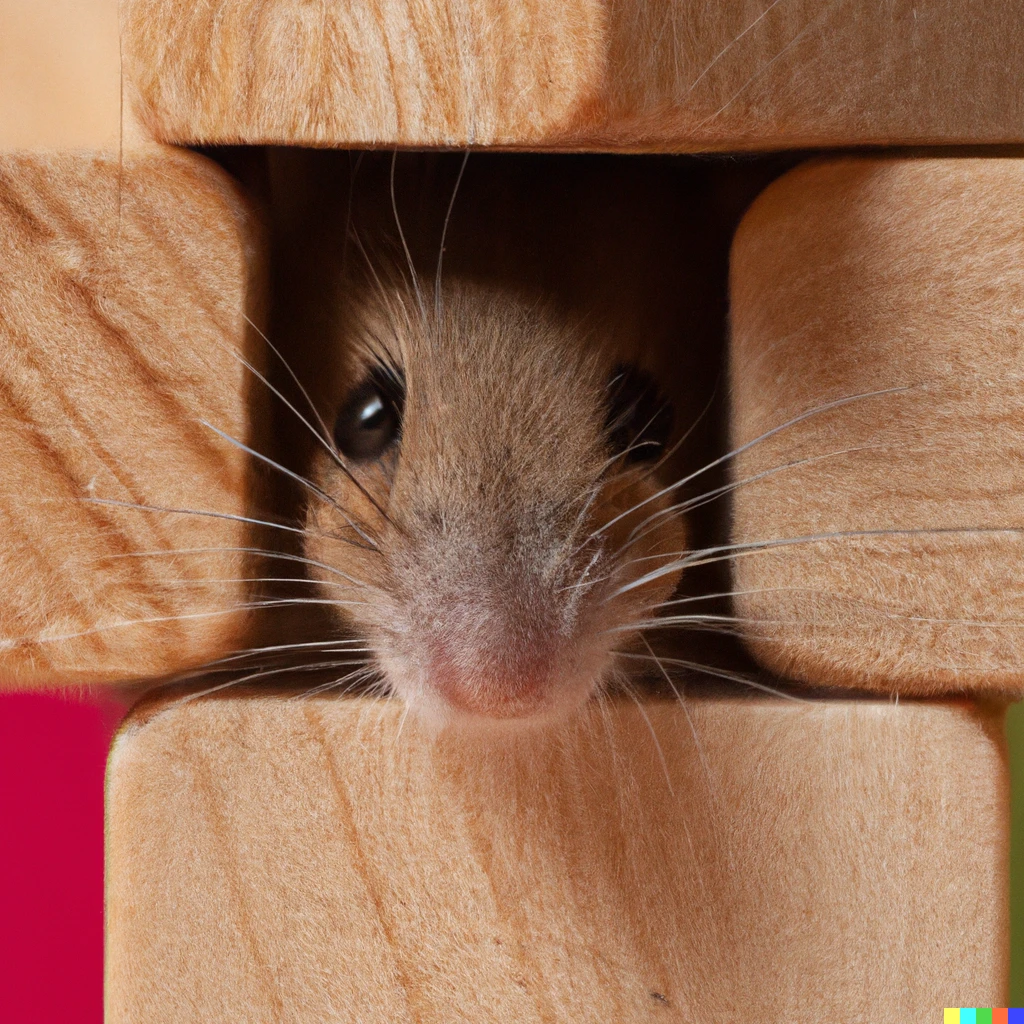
x=492, y=505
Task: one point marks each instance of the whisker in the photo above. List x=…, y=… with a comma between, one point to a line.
x=698, y=501
x=734, y=677
x=648, y=471
x=938, y=620
x=261, y=674
x=654, y=737
x=8, y=642
x=323, y=439
x=702, y=620
x=712, y=789
x=405, y=247
x=193, y=512
x=732, y=42
x=718, y=595
x=353, y=678
x=308, y=484
x=203, y=581
x=817, y=411
x=444, y=235
x=408, y=707
x=726, y=552
x=279, y=649
x=295, y=379
x=264, y=552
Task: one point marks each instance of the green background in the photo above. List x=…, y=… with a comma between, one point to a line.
x=1015, y=731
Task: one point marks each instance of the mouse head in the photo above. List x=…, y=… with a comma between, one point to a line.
x=492, y=522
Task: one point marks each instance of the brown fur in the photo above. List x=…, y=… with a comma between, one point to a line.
x=274, y=859
x=577, y=73
x=122, y=289
x=853, y=276
x=483, y=592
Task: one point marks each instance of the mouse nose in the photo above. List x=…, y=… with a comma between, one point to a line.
x=516, y=685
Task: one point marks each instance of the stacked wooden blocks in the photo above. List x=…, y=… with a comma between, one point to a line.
x=744, y=859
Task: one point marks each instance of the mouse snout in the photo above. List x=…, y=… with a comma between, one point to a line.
x=512, y=684
x=492, y=631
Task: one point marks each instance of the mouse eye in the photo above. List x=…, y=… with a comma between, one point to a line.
x=639, y=417
x=370, y=420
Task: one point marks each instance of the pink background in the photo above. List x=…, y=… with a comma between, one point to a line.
x=52, y=754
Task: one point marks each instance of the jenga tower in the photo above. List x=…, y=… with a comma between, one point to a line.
x=731, y=857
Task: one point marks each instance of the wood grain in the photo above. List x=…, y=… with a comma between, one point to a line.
x=858, y=276
x=740, y=860
x=123, y=289
x=579, y=74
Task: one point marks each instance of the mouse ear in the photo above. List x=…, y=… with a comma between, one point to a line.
x=640, y=418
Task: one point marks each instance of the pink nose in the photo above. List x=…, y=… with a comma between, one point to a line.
x=517, y=688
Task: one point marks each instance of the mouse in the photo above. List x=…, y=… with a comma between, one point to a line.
x=494, y=519
x=504, y=364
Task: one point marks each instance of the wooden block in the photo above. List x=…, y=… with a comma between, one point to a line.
x=898, y=281
x=60, y=74
x=123, y=290
x=577, y=74
x=734, y=860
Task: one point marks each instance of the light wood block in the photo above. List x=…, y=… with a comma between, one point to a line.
x=857, y=276
x=124, y=285
x=737, y=860
x=60, y=74
x=577, y=74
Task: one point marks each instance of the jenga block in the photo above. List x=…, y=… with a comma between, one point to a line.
x=586, y=74
x=728, y=861
x=877, y=375
x=124, y=286
x=60, y=74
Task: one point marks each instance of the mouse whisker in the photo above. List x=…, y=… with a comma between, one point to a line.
x=261, y=671
x=727, y=552
x=170, y=510
x=174, y=552
x=724, y=594
x=401, y=722
x=205, y=580
x=631, y=693
x=572, y=546
x=643, y=528
x=728, y=456
x=444, y=236
x=8, y=642
x=308, y=484
x=850, y=599
x=276, y=650
x=323, y=439
x=602, y=481
x=679, y=693
x=582, y=581
x=414, y=277
x=324, y=433
x=353, y=679
x=626, y=687
x=667, y=621
x=699, y=668
x=698, y=419
x=248, y=678
x=263, y=552
x=391, y=299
